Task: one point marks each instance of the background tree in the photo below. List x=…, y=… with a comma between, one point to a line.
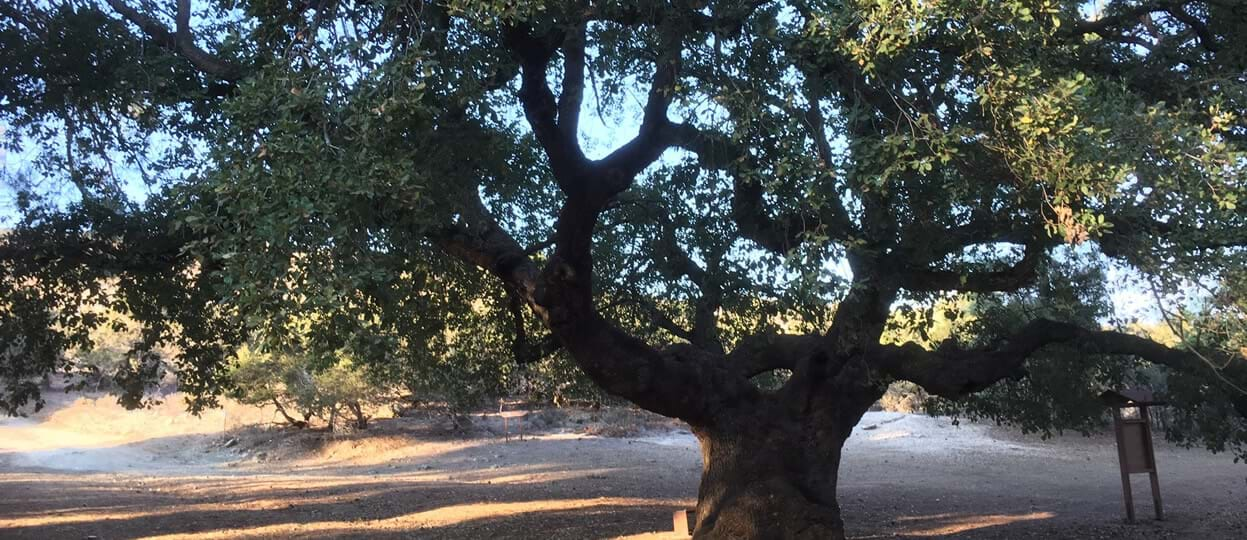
x=277, y=380
x=301, y=387
x=379, y=168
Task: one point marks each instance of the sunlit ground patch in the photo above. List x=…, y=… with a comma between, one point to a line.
x=945, y=524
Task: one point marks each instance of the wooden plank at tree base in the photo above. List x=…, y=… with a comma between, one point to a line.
x=682, y=521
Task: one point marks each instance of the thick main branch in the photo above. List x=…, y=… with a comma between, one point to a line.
x=951, y=371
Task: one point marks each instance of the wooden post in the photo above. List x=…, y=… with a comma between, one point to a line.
x=506, y=420
x=1121, y=461
x=680, y=522
x=507, y=413
x=1151, y=459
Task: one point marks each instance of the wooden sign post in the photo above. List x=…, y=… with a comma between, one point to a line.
x=1133, y=427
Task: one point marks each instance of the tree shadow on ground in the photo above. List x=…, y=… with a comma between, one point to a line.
x=461, y=498
x=547, y=488
x=352, y=510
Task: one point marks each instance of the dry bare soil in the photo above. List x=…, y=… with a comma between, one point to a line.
x=84, y=468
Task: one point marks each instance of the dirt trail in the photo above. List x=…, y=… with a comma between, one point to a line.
x=86, y=468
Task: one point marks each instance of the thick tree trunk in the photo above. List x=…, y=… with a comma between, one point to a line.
x=772, y=475
x=766, y=492
x=289, y=419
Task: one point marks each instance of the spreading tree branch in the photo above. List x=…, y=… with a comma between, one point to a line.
x=534, y=54
x=180, y=40
x=654, y=136
x=1113, y=27
x=1129, y=228
x=478, y=239
x=667, y=381
x=759, y=353
x=1011, y=278
x=675, y=261
x=749, y=208
x=952, y=372
x=1206, y=39
x=657, y=316
x=524, y=351
x=572, y=96
x=726, y=20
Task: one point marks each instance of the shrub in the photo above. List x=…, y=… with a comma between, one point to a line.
x=903, y=397
x=299, y=391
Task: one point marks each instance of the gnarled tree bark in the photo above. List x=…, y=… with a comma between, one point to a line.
x=771, y=470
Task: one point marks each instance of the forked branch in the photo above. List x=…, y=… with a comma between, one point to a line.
x=180, y=41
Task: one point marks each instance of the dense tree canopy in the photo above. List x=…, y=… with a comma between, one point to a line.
x=680, y=196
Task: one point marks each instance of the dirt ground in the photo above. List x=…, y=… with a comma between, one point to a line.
x=86, y=469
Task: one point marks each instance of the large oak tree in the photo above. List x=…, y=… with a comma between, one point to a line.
x=665, y=191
